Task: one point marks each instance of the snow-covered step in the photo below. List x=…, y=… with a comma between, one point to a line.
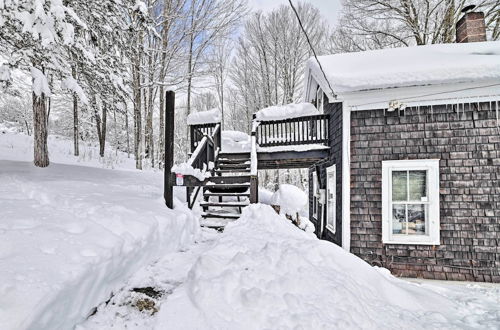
x=233, y=166
x=225, y=204
x=226, y=194
x=220, y=215
x=233, y=161
x=235, y=186
x=244, y=171
x=236, y=179
x=223, y=154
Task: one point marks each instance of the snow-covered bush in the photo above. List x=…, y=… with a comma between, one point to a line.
x=290, y=200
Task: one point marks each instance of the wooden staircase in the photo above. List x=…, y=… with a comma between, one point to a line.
x=228, y=191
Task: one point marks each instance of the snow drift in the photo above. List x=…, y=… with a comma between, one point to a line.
x=264, y=273
x=71, y=235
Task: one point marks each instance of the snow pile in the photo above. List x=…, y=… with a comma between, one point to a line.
x=288, y=111
x=409, y=66
x=290, y=199
x=264, y=273
x=71, y=235
x=235, y=142
x=186, y=169
x=71, y=84
x=205, y=117
x=40, y=84
x=265, y=196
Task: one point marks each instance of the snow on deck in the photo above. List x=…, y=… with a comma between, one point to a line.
x=71, y=235
x=204, y=117
x=287, y=111
x=410, y=66
x=297, y=147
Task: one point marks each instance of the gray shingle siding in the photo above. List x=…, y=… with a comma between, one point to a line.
x=468, y=146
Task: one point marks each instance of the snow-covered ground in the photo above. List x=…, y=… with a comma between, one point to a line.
x=74, y=237
x=71, y=235
x=264, y=273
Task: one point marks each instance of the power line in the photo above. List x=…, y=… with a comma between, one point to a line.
x=312, y=48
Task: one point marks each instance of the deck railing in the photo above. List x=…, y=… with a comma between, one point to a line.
x=293, y=131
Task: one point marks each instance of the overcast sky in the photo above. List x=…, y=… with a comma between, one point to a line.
x=329, y=8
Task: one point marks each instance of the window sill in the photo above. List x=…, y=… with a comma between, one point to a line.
x=408, y=242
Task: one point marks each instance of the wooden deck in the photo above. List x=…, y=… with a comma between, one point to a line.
x=290, y=159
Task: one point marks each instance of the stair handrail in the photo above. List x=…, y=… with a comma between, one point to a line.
x=207, y=150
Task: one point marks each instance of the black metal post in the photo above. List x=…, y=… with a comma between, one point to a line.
x=168, y=188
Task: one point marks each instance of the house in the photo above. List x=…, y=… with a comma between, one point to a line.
x=412, y=180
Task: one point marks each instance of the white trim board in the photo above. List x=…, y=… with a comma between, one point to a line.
x=346, y=178
x=469, y=92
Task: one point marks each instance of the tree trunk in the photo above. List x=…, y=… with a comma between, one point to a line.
x=127, y=130
x=102, y=138
x=137, y=114
x=162, y=129
x=41, y=153
x=75, y=125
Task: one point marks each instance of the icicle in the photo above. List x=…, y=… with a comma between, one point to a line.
x=432, y=112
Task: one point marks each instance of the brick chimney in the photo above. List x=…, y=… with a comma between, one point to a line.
x=471, y=27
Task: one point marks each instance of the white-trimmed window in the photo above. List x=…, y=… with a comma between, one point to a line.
x=331, y=197
x=315, y=193
x=410, y=201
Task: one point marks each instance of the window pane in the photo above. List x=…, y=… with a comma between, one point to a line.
x=399, y=186
x=416, y=219
x=399, y=219
x=418, y=185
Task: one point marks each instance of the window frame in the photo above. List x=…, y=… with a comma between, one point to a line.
x=315, y=194
x=331, y=169
x=433, y=222
x=320, y=96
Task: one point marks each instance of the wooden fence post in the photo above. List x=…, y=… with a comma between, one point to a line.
x=168, y=187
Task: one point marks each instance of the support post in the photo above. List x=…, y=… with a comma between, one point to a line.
x=168, y=187
x=254, y=189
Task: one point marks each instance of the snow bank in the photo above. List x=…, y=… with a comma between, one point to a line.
x=286, y=111
x=186, y=169
x=19, y=147
x=409, y=66
x=205, y=117
x=235, y=142
x=290, y=199
x=71, y=235
x=264, y=273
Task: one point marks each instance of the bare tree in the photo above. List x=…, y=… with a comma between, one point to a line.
x=373, y=24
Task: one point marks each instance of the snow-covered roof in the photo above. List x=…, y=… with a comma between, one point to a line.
x=205, y=117
x=409, y=66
